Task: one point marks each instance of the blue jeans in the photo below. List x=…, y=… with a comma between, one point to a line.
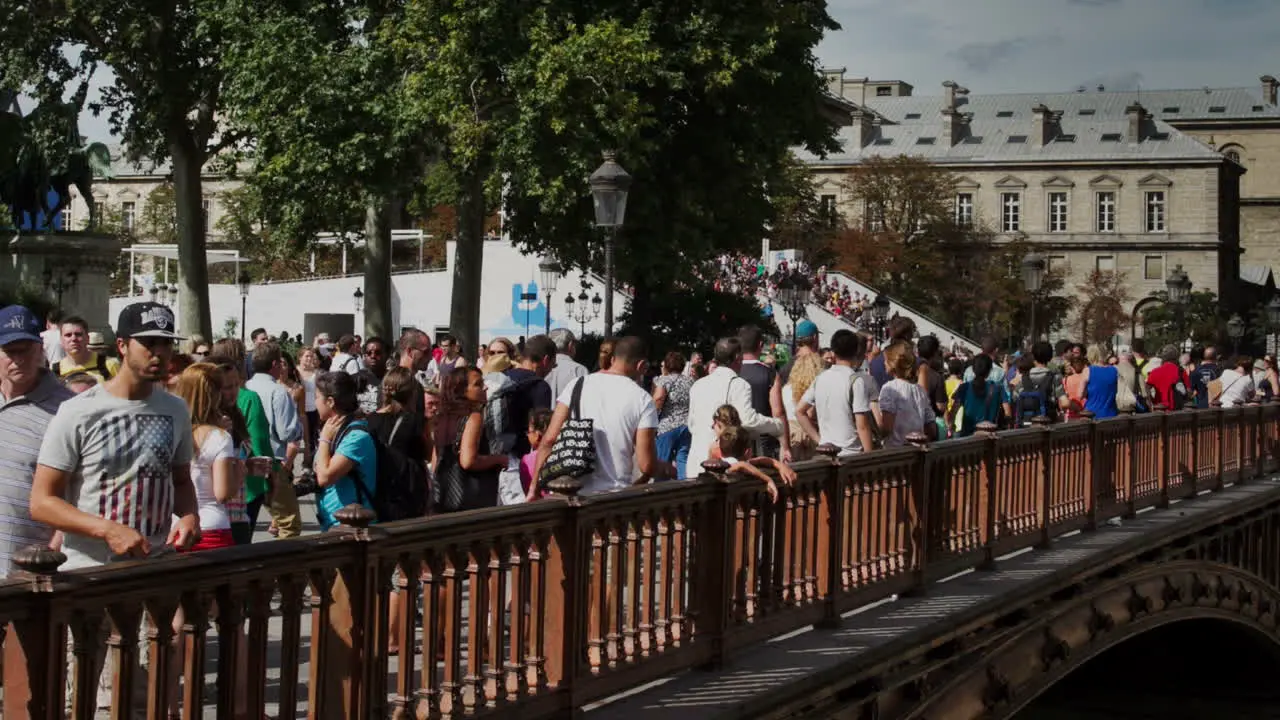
x=673, y=447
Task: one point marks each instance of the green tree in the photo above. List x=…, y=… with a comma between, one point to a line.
x=163, y=100
x=1200, y=320
x=316, y=84
x=695, y=319
x=159, y=221
x=802, y=221
x=702, y=103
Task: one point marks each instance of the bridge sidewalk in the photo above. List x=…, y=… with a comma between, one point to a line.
x=807, y=662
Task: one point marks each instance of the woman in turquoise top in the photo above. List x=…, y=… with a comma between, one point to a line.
x=346, y=453
x=1100, y=385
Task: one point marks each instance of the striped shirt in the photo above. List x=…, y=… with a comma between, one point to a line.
x=23, y=421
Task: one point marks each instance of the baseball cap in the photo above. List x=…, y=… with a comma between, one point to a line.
x=18, y=323
x=146, y=319
x=806, y=329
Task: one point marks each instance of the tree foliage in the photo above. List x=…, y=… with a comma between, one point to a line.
x=1104, y=297
x=1165, y=324
x=162, y=101
x=696, y=318
x=910, y=246
x=702, y=103
x=159, y=220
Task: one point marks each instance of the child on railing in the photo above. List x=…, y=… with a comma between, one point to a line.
x=733, y=445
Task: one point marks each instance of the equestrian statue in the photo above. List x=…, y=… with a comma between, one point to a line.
x=43, y=152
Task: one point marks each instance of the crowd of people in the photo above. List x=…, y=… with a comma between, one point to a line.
x=159, y=447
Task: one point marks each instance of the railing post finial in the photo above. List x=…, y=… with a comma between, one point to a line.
x=356, y=519
x=715, y=469
x=829, y=451
x=986, y=427
x=565, y=487
x=40, y=564
x=1042, y=421
x=918, y=440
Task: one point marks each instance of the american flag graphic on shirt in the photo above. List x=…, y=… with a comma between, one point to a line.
x=136, y=486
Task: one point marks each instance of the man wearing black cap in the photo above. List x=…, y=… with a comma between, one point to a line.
x=29, y=397
x=120, y=455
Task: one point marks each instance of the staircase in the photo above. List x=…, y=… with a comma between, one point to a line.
x=828, y=323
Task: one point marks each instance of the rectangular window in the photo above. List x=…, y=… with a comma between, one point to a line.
x=1058, y=212
x=204, y=215
x=883, y=91
x=1058, y=264
x=1153, y=267
x=964, y=210
x=829, y=208
x=875, y=217
x=1010, y=212
x=1106, y=212
x=1155, y=215
x=1105, y=263
x=128, y=213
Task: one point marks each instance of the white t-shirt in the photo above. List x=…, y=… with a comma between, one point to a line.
x=1236, y=388
x=837, y=395
x=617, y=407
x=217, y=446
x=350, y=364
x=120, y=454
x=911, y=410
x=52, y=341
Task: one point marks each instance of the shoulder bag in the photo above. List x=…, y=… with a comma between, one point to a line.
x=574, y=451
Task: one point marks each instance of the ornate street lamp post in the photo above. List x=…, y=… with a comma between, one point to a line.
x=583, y=310
x=609, y=187
x=880, y=315
x=550, y=271
x=60, y=283
x=1273, y=317
x=1033, y=266
x=794, y=292
x=242, y=282
x=357, y=299
x=1178, y=285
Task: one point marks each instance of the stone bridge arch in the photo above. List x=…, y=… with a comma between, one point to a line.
x=1014, y=661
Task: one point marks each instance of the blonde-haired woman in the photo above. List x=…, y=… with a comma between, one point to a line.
x=905, y=407
x=216, y=471
x=1101, y=381
x=804, y=370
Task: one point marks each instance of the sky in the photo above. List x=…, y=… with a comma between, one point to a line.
x=994, y=46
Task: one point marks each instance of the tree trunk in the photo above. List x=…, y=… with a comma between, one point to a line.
x=193, y=261
x=464, y=310
x=377, y=269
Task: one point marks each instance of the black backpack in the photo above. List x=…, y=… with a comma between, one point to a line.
x=401, y=489
x=1037, y=398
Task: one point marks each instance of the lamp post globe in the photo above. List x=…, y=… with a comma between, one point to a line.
x=1235, y=328
x=550, y=272
x=1178, y=285
x=609, y=187
x=242, y=284
x=357, y=298
x=1033, y=267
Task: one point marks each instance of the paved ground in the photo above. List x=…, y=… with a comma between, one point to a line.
x=699, y=695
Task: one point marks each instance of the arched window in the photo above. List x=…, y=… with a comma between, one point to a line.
x=1234, y=153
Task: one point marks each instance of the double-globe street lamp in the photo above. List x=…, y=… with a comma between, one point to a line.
x=242, y=283
x=1235, y=331
x=609, y=186
x=1033, y=267
x=794, y=293
x=550, y=271
x=583, y=311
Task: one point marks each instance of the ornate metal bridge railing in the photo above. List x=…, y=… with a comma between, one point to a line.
x=526, y=611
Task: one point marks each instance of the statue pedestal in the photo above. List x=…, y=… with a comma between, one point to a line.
x=80, y=262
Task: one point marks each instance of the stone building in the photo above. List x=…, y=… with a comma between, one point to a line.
x=1097, y=180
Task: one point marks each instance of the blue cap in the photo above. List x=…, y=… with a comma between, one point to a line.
x=806, y=329
x=18, y=323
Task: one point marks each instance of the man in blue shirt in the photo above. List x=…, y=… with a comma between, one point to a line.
x=286, y=436
x=1206, y=372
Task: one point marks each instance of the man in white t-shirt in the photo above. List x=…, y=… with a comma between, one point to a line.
x=843, y=399
x=114, y=469
x=723, y=386
x=624, y=419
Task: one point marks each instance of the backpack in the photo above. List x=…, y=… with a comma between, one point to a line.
x=1037, y=398
x=101, y=368
x=400, y=491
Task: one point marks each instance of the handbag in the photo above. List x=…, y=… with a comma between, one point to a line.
x=574, y=452
x=450, y=486
x=510, y=489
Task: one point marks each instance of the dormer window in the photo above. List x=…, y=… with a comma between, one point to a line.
x=1172, y=110
x=884, y=141
x=925, y=141
x=912, y=116
x=1111, y=137
x=1218, y=109
x=1004, y=114
x=1017, y=139
x=1088, y=111
x=1065, y=139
